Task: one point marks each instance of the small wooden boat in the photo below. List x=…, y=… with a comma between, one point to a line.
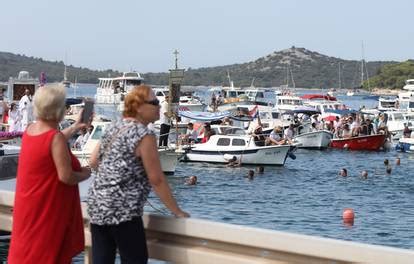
x=371, y=142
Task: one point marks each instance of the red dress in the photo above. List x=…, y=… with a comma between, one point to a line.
x=47, y=217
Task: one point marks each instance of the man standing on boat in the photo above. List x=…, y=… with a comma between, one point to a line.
x=26, y=109
x=165, y=123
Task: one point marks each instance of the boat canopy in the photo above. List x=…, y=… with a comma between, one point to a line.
x=303, y=110
x=341, y=112
x=204, y=116
x=318, y=96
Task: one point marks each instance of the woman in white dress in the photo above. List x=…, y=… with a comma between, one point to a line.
x=14, y=118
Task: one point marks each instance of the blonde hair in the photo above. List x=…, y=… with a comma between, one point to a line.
x=49, y=102
x=135, y=98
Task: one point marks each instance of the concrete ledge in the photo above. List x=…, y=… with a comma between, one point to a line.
x=200, y=241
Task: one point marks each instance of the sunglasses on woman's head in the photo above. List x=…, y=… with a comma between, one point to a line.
x=154, y=102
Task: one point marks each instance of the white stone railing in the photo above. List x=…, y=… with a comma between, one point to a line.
x=200, y=241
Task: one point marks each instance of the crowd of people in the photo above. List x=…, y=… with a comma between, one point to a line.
x=18, y=116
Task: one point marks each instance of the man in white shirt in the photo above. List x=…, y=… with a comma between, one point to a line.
x=191, y=133
x=289, y=133
x=26, y=109
x=165, y=123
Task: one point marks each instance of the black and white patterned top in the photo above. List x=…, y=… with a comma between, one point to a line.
x=120, y=186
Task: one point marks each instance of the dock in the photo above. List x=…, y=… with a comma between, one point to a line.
x=197, y=241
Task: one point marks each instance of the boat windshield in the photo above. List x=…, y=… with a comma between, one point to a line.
x=97, y=134
x=398, y=117
x=133, y=82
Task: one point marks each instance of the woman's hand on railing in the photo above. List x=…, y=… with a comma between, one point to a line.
x=181, y=214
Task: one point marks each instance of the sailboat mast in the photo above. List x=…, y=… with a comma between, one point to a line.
x=362, y=65
x=339, y=75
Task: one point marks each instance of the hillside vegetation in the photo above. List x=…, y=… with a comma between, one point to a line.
x=392, y=76
x=11, y=64
x=297, y=67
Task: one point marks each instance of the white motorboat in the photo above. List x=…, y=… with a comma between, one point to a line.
x=396, y=121
x=314, y=140
x=168, y=157
x=288, y=102
x=113, y=90
x=220, y=148
x=388, y=104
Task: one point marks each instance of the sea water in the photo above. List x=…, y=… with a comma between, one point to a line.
x=306, y=196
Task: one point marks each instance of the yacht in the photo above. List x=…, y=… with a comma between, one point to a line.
x=405, y=97
x=113, y=90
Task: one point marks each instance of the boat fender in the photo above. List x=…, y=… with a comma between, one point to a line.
x=292, y=156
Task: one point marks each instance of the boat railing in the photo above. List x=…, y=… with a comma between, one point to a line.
x=201, y=241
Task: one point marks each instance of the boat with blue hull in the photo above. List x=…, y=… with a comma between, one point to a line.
x=405, y=145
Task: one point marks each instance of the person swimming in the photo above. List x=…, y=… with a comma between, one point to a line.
x=250, y=174
x=192, y=180
x=343, y=172
x=364, y=174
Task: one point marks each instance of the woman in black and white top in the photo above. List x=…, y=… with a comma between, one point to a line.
x=127, y=166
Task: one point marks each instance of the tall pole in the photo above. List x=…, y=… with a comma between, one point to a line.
x=362, y=64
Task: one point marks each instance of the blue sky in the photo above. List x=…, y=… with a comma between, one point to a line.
x=141, y=35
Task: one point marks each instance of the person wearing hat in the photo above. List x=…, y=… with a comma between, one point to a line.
x=275, y=137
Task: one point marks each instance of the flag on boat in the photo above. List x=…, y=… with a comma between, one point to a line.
x=42, y=79
x=254, y=112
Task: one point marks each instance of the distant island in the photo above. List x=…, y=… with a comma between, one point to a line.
x=293, y=67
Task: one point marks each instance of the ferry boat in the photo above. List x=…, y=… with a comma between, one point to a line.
x=371, y=142
x=17, y=86
x=113, y=90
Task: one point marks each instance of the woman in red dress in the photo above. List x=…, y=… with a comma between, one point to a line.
x=47, y=217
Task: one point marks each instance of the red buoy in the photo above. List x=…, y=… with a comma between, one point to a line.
x=348, y=216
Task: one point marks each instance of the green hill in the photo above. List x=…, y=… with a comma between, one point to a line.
x=392, y=76
x=300, y=66
x=308, y=68
x=11, y=64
